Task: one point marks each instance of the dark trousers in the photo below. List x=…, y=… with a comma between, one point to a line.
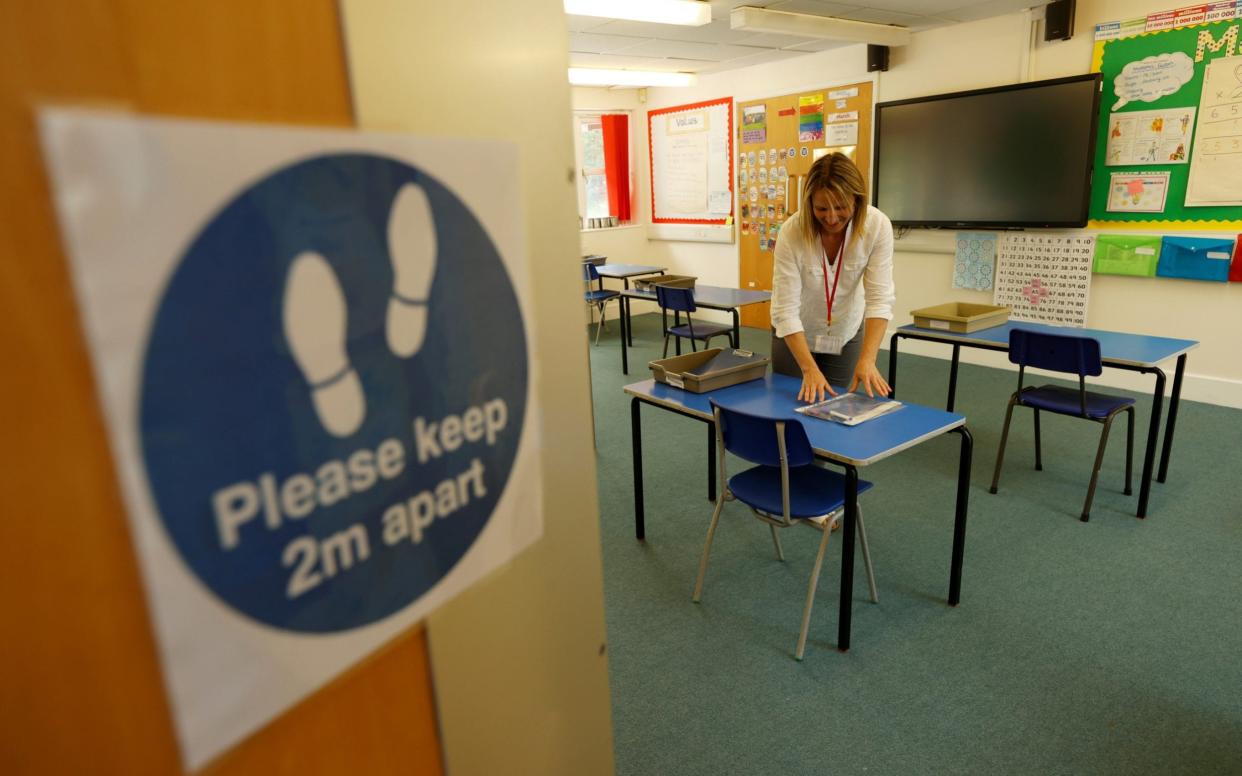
x=839, y=369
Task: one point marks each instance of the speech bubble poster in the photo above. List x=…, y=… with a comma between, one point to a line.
x=312, y=352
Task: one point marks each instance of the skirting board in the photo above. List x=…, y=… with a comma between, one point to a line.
x=690, y=233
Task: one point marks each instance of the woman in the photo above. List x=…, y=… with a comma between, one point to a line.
x=832, y=285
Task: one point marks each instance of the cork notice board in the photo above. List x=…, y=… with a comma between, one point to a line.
x=778, y=139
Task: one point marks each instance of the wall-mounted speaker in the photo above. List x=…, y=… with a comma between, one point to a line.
x=1059, y=20
x=877, y=57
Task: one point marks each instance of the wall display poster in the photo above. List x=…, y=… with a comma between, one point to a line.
x=975, y=255
x=691, y=149
x=1153, y=84
x=1216, y=170
x=810, y=118
x=1150, y=137
x=1045, y=278
x=317, y=443
x=845, y=134
x=755, y=124
x=1137, y=192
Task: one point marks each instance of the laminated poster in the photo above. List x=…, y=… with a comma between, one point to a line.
x=1149, y=137
x=309, y=459
x=975, y=255
x=1045, y=277
x=1216, y=167
x=1137, y=193
x=842, y=134
x=810, y=118
x=755, y=124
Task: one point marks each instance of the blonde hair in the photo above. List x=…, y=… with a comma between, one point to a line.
x=836, y=174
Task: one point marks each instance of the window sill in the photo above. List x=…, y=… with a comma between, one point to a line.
x=616, y=228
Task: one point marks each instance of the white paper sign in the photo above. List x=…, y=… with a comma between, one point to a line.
x=1045, y=277
x=1216, y=168
x=316, y=450
x=1137, y=193
x=1149, y=137
x=841, y=134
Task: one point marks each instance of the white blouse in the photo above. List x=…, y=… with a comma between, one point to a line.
x=798, y=299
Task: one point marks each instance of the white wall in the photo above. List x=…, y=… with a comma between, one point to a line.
x=989, y=52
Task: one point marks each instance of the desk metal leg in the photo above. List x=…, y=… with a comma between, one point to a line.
x=625, y=321
x=892, y=364
x=846, y=606
x=636, y=440
x=629, y=324
x=711, y=461
x=1153, y=431
x=957, y=350
x=736, y=337
x=1171, y=423
x=959, y=517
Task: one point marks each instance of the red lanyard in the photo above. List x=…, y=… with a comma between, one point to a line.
x=830, y=296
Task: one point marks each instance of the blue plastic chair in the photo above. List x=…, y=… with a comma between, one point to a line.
x=596, y=295
x=681, y=300
x=783, y=489
x=1072, y=355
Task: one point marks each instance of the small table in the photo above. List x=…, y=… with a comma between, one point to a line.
x=1131, y=352
x=624, y=272
x=849, y=446
x=710, y=297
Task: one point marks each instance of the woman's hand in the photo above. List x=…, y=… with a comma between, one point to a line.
x=814, y=384
x=867, y=376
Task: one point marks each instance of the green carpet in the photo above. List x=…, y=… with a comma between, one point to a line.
x=1108, y=647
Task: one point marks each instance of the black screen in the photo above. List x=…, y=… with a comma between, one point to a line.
x=1014, y=156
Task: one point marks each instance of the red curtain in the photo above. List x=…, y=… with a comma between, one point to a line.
x=616, y=131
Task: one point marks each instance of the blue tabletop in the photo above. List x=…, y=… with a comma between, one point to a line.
x=776, y=395
x=715, y=297
x=1115, y=347
x=626, y=270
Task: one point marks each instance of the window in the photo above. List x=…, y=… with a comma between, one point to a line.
x=602, y=145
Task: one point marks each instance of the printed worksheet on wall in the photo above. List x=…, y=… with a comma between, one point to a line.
x=1045, y=278
x=1216, y=165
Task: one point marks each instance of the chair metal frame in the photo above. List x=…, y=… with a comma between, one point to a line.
x=1023, y=345
x=681, y=300
x=598, y=297
x=803, y=456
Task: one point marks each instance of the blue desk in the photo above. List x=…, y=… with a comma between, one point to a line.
x=710, y=297
x=1131, y=352
x=624, y=272
x=848, y=446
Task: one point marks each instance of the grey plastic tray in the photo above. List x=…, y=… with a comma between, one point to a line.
x=710, y=369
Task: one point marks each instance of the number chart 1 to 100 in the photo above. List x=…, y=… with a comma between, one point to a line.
x=1045, y=278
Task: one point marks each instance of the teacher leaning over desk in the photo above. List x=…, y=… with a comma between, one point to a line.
x=832, y=284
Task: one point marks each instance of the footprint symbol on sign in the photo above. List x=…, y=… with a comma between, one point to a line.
x=316, y=315
x=412, y=248
x=315, y=318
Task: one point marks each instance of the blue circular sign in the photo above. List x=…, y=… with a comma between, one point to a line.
x=333, y=392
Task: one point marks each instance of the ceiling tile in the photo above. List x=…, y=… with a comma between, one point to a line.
x=762, y=56
x=716, y=32
x=600, y=44
x=772, y=40
x=821, y=45
x=621, y=62
x=711, y=52
x=583, y=23
x=813, y=7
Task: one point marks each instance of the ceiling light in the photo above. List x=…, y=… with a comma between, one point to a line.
x=688, y=12
x=587, y=76
x=810, y=26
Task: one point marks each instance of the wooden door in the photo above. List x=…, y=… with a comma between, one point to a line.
x=82, y=689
